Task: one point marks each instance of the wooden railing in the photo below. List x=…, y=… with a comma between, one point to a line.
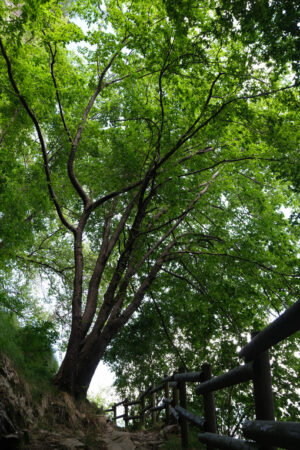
x=263, y=433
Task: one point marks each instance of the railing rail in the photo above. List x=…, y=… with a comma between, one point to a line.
x=263, y=431
x=237, y=375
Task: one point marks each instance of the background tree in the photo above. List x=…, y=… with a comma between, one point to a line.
x=154, y=149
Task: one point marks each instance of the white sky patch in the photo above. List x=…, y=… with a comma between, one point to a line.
x=74, y=46
x=286, y=211
x=102, y=383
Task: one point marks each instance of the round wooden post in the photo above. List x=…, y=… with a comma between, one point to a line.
x=114, y=411
x=167, y=408
x=126, y=412
x=262, y=389
x=153, y=404
x=183, y=421
x=175, y=400
x=143, y=416
x=209, y=405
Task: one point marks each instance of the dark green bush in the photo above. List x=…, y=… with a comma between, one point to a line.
x=29, y=347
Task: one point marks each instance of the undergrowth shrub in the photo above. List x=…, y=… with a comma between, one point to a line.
x=29, y=347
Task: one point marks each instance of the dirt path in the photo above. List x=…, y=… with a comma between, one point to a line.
x=117, y=439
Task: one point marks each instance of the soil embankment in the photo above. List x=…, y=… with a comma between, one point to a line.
x=53, y=420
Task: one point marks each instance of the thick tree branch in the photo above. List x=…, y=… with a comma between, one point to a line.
x=40, y=136
x=108, y=244
x=133, y=268
x=108, y=301
x=116, y=321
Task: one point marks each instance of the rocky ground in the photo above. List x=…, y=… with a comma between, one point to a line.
x=116, y=439
x=55, y=421
x=110, y=438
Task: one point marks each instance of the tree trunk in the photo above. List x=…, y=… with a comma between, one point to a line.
x=78, y=367
x=88, y=363
x=66, y=376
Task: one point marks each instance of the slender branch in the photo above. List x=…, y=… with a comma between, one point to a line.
x=161, y=102
x=113, y=194
x=223, y=161
x=242, y=417
x=117, y=80
x=211, y=91
x=158, y=310
x=266, y=93
x=198, y=152
x=240, y=258
x=178, y=222
x=192, y=131
x=250, y=178
x=45, y=265
x=39, y=247
x=93, y=99
x=182, y=278
x=52, y=62
x=205, y=292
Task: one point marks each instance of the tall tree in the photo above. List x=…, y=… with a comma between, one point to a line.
x=154, y=143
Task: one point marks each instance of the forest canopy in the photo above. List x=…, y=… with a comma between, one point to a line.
x=149, y=174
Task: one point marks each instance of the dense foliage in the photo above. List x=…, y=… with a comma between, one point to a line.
x=150, y=175
x=30, y=348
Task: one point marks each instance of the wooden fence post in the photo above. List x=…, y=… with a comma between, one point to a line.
x=143, y=416
x=209, y=405
x=114, y=408
x=175, y=399
x=262, y=389
x=153, y=404
x=126, y=412
x=167, y=409
x=183, y=421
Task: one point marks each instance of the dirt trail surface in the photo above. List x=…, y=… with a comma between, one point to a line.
x=117, y=439
x=111, y=438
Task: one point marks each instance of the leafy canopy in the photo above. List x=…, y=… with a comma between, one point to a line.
x=177, y=122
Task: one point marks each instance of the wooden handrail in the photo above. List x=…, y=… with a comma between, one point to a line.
x=281, y=328
x=283, y=434
x=264, y=430
x=237, y=375
x=188, y=376
x=226, y=442
x=196, y=420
